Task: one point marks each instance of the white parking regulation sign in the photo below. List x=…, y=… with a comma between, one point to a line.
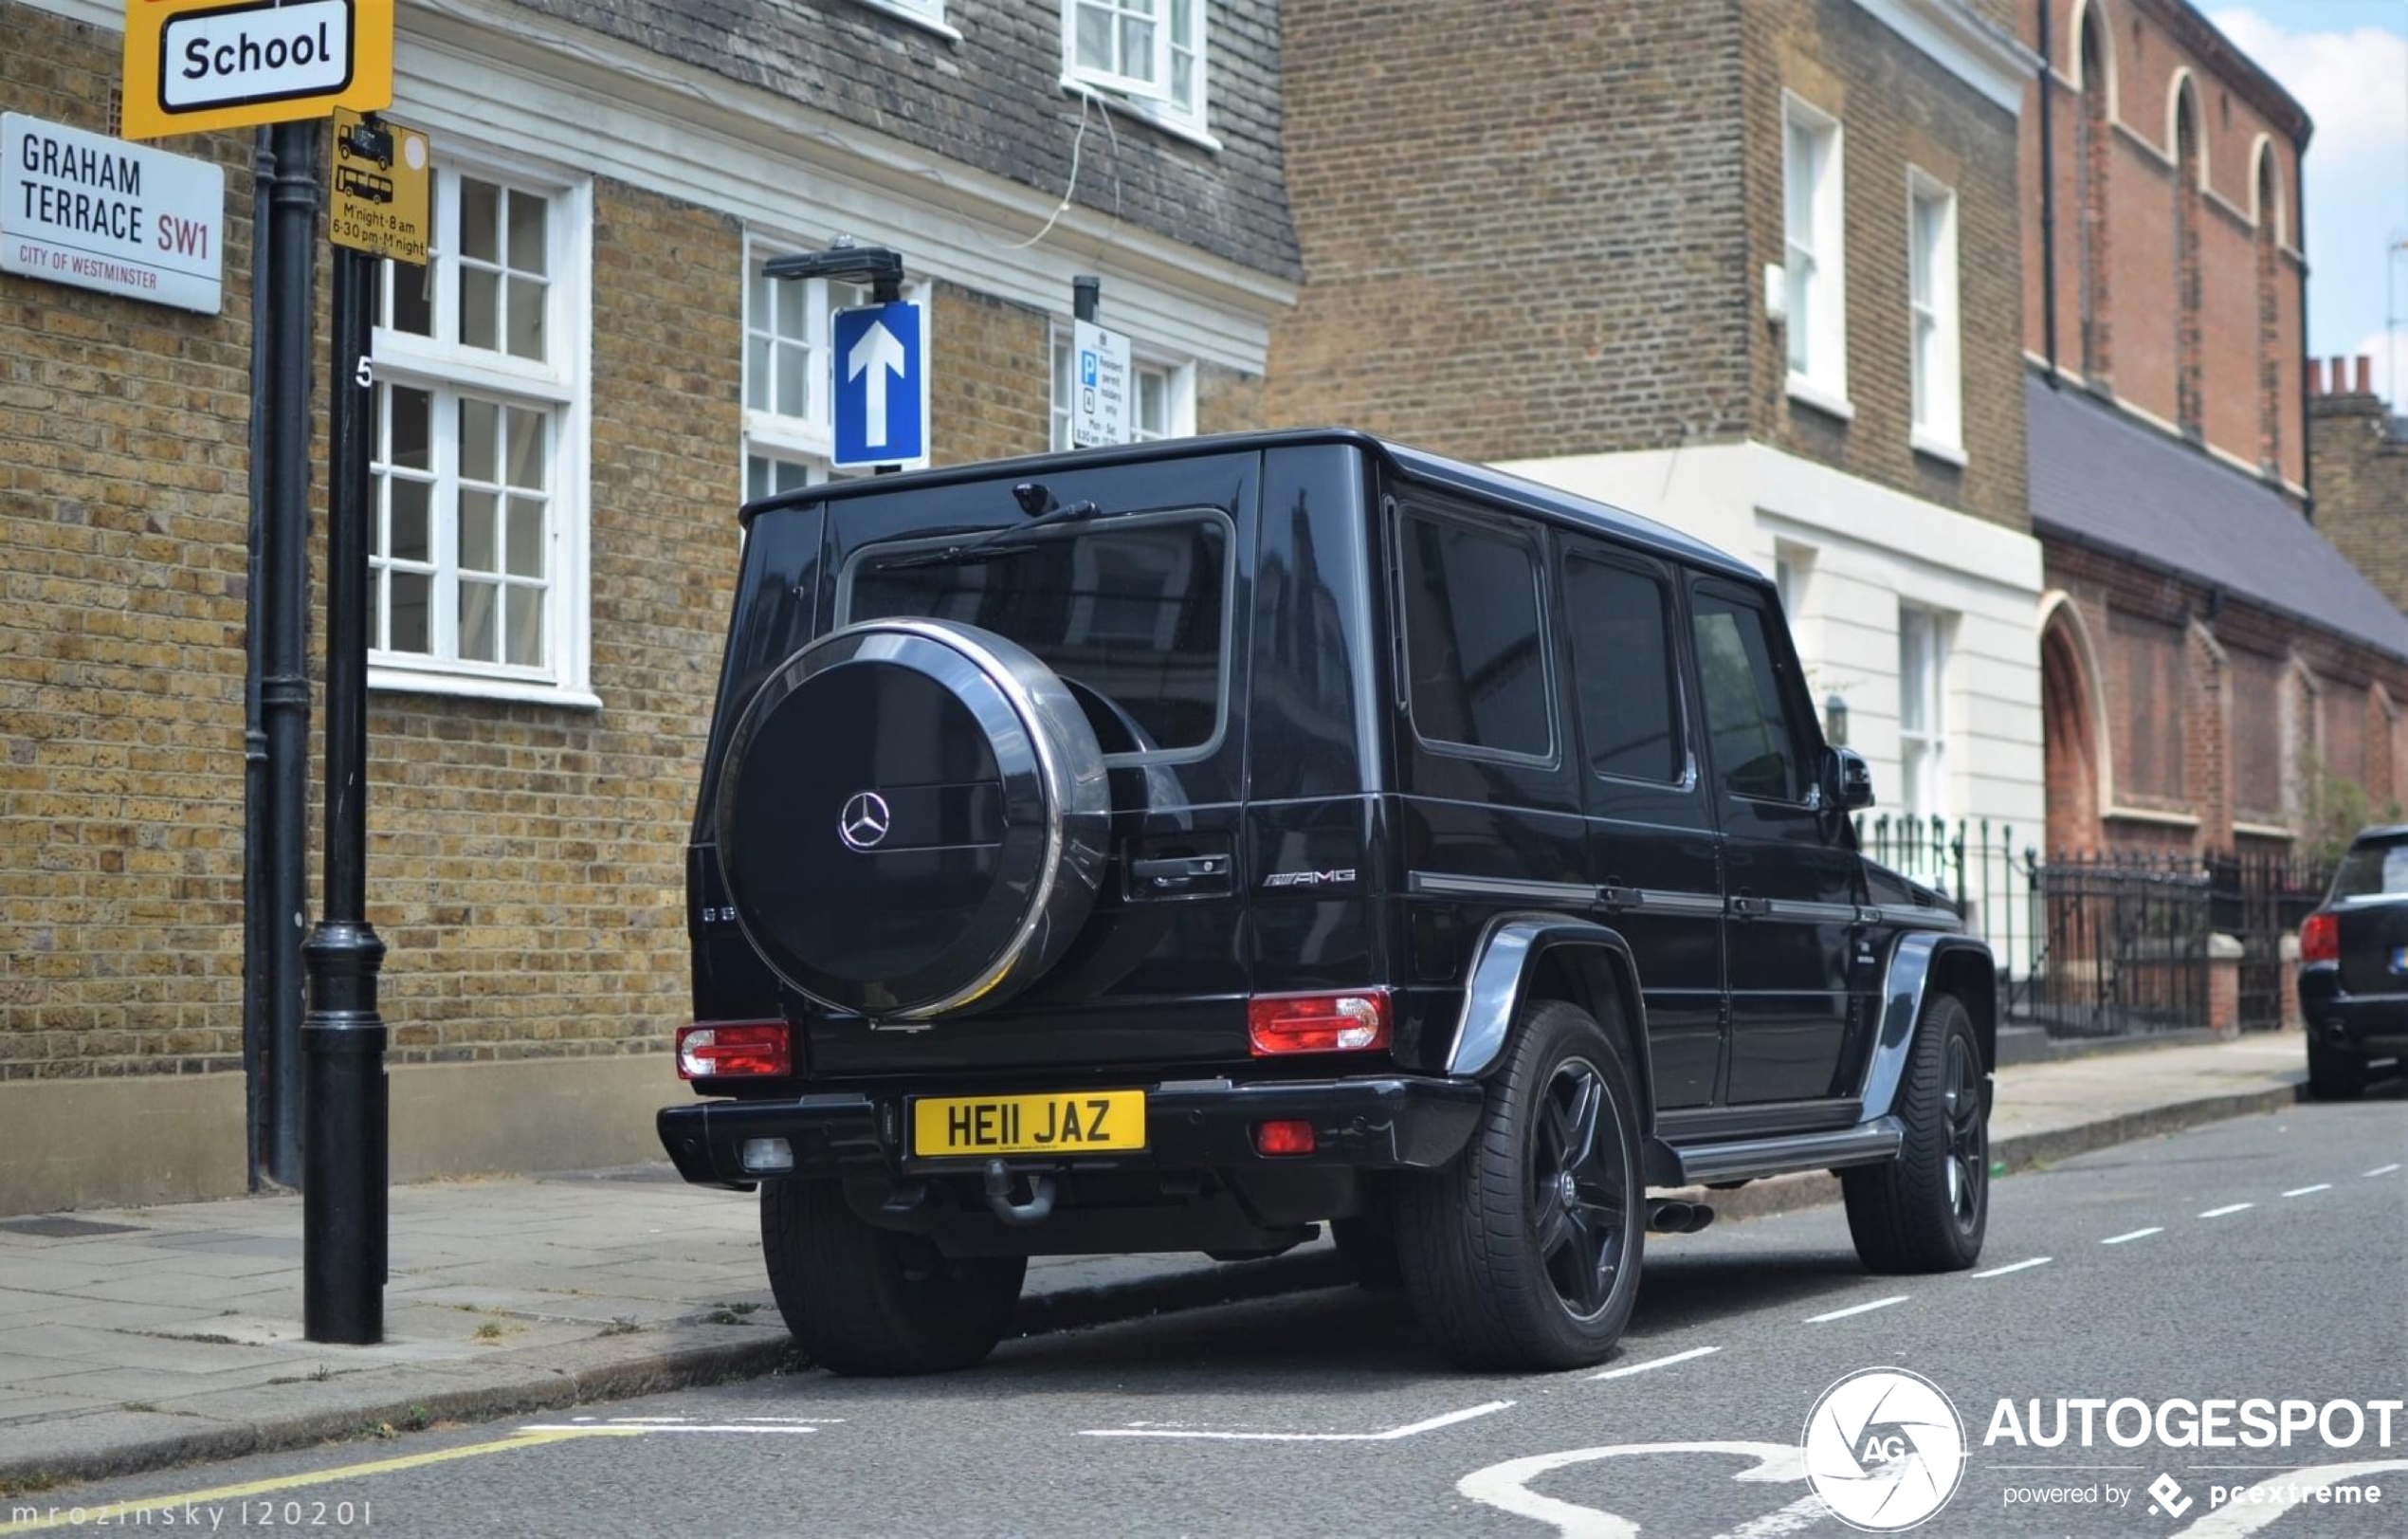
x=1099, y=386
x=98, y=212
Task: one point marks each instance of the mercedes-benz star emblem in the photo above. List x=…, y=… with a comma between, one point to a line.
x=865, y=820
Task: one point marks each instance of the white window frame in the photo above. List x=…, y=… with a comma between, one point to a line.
x=1932, y=738
x=1817, y=304
x=1934, y=354
x=929, y=14
x=1179, y=377
x=562, y=385
x=1149, y=98
x=808, y=440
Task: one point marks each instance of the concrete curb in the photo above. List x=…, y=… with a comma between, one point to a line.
x=606, y=1369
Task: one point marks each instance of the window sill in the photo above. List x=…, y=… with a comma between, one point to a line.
x=1833, y=403
x=918, y=18
x=406, y=680
x=2262, y=831
x=1937, y=448
x=1145, y=112
x=2144, y=815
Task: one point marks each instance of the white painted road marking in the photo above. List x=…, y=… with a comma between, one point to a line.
x=1857, y=1309
x=1656, y=1363
x=2380, y=1170
x=2019, y=1266
x=2137, y=1233
x=1505, y=1486
x=2229, y=1207
x=2302, y=1191
x=1392, y=1433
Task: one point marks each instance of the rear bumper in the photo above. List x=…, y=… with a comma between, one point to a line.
x=2376, y=1025
x=1389, y=1121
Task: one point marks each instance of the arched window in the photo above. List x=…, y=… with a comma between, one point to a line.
x=2090, y=148
x=2269, y=350
x=2188, y=391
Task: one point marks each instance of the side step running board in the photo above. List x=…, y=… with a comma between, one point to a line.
x=1746, y=1158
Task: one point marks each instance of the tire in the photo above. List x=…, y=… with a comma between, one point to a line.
x=867, y=1301
x=1369, y=1250
x=1927, y=1209
x=2334, y=1073
x=1492, y=1256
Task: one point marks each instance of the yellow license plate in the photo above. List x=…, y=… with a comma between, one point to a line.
x=1087, y=1122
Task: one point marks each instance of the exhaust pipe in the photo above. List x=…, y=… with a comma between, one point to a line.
x=1667, y=1216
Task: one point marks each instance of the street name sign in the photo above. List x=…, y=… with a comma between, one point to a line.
x=96, y=212
x=378, y=199
x=192, y=65
x=879, y=355
x=1099, y=386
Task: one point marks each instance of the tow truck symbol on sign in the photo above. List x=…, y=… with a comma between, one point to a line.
x=373, y=143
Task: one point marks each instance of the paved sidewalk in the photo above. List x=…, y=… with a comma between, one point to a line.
x=131, y=1339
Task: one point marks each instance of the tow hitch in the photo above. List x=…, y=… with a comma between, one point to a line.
x=1036, y=1210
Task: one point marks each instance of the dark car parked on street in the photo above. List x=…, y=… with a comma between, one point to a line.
x=1179, y=847
x=2353, y=967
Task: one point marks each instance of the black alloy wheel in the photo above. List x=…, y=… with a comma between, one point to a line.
x=1927, y=1209
x=1579, y=1197
x=1524, y=1252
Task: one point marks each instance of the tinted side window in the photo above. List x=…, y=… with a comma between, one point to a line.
x=1472, y=637
x=1755, y=754
x=1623, y=658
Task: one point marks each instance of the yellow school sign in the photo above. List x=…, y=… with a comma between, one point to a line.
x=197, y=64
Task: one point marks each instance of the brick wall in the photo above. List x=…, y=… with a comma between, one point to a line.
x=1521, y=225
x=2246, y=337
x=1897, y=108
x=2361, y=470
x=2245, y=699
x=123, y=504
x=526, y=860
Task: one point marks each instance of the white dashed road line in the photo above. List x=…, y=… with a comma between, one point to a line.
x=1856, y=1308
x=2302, y=1191
x=2380, y=1170
x=1656, y=1363
x=2137, y=1233
x=2229, y=1207
x=1389, y=1436
x=2018, y=1265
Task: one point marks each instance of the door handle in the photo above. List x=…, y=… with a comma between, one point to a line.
x=1748, y=905
x=1169, y=872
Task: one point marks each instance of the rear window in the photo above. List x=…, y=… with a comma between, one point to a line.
x=2372, y=870
x=1131, y=613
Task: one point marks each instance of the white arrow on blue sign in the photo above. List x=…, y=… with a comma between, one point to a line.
x=879, y=355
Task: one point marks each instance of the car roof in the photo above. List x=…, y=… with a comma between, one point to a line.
x=1438, y=471
x=2380, y=834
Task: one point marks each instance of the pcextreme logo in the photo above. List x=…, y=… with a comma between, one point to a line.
x=1884, y=1448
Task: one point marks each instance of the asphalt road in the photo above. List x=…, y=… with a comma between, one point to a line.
x=2261, y=1257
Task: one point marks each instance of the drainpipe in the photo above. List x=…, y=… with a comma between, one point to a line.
x=284, y=680
x=2306, y=450
x=256, y=934
x=2048, y=196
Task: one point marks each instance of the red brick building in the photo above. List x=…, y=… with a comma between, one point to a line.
x=2215, y=674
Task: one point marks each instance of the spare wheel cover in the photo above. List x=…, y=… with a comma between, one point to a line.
x=912, y=818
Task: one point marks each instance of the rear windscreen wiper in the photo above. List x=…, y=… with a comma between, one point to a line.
x=996, y=542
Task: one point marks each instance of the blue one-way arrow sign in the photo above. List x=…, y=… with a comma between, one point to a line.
x=880, y=356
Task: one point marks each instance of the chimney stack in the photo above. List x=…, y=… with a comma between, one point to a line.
x=2316, y=376
x=2366, y=375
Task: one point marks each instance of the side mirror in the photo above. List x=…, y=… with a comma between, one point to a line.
x=1851, y=779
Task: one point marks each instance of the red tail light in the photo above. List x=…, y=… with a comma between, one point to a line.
x=1356, y=1022
x=2320, y=938
x=1284, y=1137
x=726, y=1048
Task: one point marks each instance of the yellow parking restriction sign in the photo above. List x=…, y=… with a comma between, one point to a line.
x=378, y=196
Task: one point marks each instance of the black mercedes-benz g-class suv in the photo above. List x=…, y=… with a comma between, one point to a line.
x=1174, y=847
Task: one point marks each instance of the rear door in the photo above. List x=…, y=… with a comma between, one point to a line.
x=1652, y=847
x=1792, y=884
